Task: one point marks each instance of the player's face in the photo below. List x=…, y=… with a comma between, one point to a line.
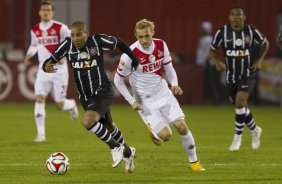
x=46, y=13
x=145, y=36
x=79, y=37
x=237, y=18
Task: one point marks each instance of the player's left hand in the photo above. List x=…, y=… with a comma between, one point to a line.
x=50, y=67
x=176, y=90
x=256, y=66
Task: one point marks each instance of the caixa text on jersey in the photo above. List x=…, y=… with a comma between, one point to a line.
x=85, y=64
x=237, y=53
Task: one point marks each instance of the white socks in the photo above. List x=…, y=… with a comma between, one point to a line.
x=189, y=146
x=69, y=104
x=39, y=114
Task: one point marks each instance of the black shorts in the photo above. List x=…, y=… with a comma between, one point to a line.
x=100, y=102
x=246, y=84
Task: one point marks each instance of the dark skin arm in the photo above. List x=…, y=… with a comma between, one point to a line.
x=217, y=60
x=263, y=50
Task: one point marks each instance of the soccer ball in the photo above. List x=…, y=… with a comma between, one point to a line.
x=57, y=163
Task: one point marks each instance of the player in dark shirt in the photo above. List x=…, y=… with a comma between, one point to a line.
x=85, y=55
x=238, y=41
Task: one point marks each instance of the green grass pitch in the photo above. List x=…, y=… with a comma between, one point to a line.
x=23, y=161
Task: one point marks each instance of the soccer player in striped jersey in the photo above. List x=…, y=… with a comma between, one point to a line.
x=237, y=41
x=152, y=98
x=45, y=37
x=85, y=55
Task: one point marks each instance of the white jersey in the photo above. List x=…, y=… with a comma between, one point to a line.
x=159, y=106
x=147, y=80
x=45, y=38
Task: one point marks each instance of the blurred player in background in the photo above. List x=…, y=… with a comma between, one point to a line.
x=237, y=41
x=45, y=37
x=85, y=54
x=211, y=76
x=153, y=99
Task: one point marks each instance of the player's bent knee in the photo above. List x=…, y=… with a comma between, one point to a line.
x=165, y=135
x=89, y=120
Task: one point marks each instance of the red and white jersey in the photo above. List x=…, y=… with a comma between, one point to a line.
x=147, y=80
x=45, y=38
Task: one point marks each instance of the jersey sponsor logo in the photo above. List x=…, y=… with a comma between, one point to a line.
x=85, y=64
x=237, y=53
x=49, y=40
x=152, y=67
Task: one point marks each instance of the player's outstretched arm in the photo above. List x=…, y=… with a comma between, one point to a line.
x=123, y=47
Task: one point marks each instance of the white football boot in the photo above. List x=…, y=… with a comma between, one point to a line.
x=74, y=113
x=256, y=137
x=129, y=165
x=236, y=143
x=40, y=138
x=117, y=154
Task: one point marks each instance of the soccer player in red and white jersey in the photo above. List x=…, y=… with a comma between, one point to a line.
x=45, y=37
x=152, y=97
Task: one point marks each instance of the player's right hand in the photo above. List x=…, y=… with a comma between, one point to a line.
x=50, y=67
x=220, y=66
x=136, y=106
x=27, y=62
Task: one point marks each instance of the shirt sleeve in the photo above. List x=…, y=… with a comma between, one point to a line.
x=108, y=42
x=217, y=40
x=61, y=50
x=64, y=32
x=120, y=85
x=32, y=50
x=171, y=74
x=167, y=56
x=124, y=67
x=258, y=37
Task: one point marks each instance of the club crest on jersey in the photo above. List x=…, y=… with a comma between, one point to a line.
x=247, y=40
x=152, y=58
x=44, y=34
x=160, y=53
x=238, y=42
x=53, y=32
x=92, y=51
x=83, y=55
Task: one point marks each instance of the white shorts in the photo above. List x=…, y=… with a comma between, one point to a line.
x=56, y=83
x=167, y=112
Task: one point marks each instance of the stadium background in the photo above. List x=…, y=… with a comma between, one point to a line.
x=177, y=23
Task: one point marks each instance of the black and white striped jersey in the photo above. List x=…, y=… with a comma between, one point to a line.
x=87, y=63
x=238, y=47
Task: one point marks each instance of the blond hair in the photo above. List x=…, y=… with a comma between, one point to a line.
x=144, y=23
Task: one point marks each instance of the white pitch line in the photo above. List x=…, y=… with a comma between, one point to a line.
x=211, y=164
